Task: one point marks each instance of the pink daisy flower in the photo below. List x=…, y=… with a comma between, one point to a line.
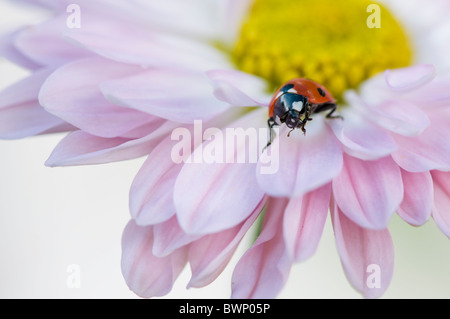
x=121, y=78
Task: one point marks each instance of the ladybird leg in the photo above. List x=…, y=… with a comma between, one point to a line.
x=303, y=128
x=308, y=112
x=270, y=123
x=307, y=118
x=330, y=116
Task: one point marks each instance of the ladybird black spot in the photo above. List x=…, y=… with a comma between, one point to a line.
x=321, y=92
x=287, y=87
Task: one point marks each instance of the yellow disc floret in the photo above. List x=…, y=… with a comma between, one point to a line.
x=337, y=43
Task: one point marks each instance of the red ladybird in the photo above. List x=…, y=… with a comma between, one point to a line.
x=296, y=100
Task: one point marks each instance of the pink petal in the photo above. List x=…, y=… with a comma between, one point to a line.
x=441, y=209
x=369, y=192
x=209, y=255
x=366, y=255
x=168, y=237
x=263, y=270
x=20, y=112
x=215, y=195
x=418, y=198
x=304, y=162
x=361, y=138
x=430, y=150
x=72, y=93
x=151, y=194
x=410, y=78
x=304, y=220
x=239, y=88
x=179, y=96
x=145, y=274
x=80, y=148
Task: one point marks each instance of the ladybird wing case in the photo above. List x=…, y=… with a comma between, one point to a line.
x=275, y=97
x=316, y=93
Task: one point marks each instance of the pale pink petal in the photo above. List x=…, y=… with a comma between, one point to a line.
x=144, y=32
x=80, y=148
x=151, y=193
x=432, y=95
x=63, y=127
x=361, y=138
x=417, y=202
x=410, y=78
x=304, y=220
x=168, y=237
x=239, y=88
x=44, y=43
x=49, y=44
x=366, y=255
x=180, y=96
x=369, y=192
x=147, y=275
x=194, y=18
x=20, y=112
x=425, y=89
x=213, y=194
x=26, y=120
x=233, y=13
x=441, y=209
x=209, y=255
x=25, y=90
x=402, y=117
x=146, y=129
x=10, y=52
x=130, y=42
x=72, y=93
x=263, y=270
x=372, y=91
x=396, y=115
x=430, y=150
x=304, y=162
x=49, y=4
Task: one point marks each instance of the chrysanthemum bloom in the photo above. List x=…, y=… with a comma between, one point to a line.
x=125, y=75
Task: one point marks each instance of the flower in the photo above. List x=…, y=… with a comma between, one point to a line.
x=135, y=71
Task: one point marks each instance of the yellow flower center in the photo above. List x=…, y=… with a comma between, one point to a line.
x=336, y=43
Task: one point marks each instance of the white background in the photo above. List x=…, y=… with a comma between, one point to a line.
x=51, y=218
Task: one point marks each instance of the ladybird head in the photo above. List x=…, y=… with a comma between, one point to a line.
x=294, y=121
x=289, y=108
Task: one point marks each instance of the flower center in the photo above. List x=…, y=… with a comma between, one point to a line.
x=336, y=43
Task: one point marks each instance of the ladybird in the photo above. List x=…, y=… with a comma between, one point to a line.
x=296, y=100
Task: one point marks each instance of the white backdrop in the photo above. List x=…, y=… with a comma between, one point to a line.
x=52, y=218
